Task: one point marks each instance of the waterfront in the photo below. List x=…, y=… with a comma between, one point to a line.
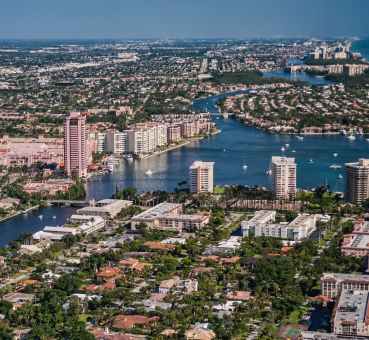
x=298, y=76
x=237, y=145
x=31, y=222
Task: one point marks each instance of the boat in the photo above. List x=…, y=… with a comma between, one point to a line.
x=335, y=154
x=245, y=167
x=335, y=166
x=293, y=151
x=283, y=149
x=269, y=172
x=40, y=217
x=351, y=137
x=311, y=161
x=300, y=137
x=148, y=173
x=287, y=145
x=367, y=139
x=340, y=176
x=54, y=217
x=128, y=157
x=224, y=150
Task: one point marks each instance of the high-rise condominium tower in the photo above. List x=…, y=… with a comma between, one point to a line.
x=201, y=177
x=75, y=150
x=357, y=181
x=284, y=177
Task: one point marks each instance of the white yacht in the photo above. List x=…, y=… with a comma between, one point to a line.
x=128, y=157
x=351, y=137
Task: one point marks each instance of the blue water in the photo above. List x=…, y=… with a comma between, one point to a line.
x=362, y=46
x=298, y=76
x=235, y=146
x=31, y=222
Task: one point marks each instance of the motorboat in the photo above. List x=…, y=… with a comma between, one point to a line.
x=335, y=166
x=148, y=173
x=300, y=137
x=244, y=167
x=351, y=137
x=283, y=149
x=128, y=157
x=335, y=154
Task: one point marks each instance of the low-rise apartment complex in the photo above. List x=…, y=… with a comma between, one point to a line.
x=262, y=225
x=332, y=283
x=170, y=216
x=357, y=243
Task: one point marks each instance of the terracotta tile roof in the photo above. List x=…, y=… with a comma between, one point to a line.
x=230, y=260
x=108, y=285
x=28, y=282
x=154, y=245
x=212, y=258
x=168, y=332
x=170, y=283
x=108, y=272
x=286, y=249
x=129, y=321
x=239, y=295
x=134, y=264
x=200, y=270
x=199, y=334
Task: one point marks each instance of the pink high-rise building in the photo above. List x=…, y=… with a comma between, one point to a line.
x=75, y=145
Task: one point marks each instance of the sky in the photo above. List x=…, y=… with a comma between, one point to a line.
x=43, y=19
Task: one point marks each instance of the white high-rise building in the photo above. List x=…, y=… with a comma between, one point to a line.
x=284, y=177
x=116, y=142
x=101, y=141
x=202, y=177
x=142, y=141
x=161, y=135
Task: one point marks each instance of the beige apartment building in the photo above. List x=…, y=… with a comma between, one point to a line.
x=202, y=177
x=283, y=177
